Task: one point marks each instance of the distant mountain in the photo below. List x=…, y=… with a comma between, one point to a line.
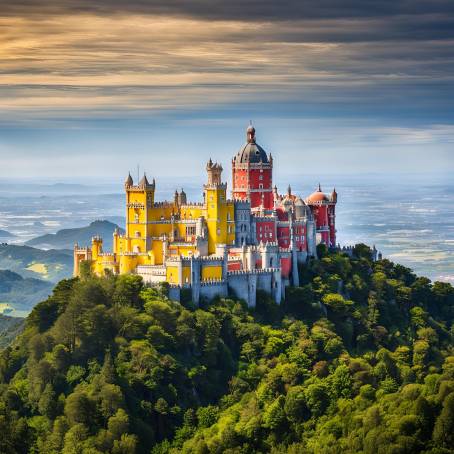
x=10, y=327
x=4, y=234
x=21, y=294
x=66, y=238
x=27, y=261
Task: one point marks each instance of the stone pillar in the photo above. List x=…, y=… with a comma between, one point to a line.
x=295, y=276
x=265, y=256
x=195, y=280
x=243, y=257
x=180, y=271
x=277, y=290
x=250, y=259
x=252, y=289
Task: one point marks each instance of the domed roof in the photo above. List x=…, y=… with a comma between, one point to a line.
x=317, y=196
x=251, y=151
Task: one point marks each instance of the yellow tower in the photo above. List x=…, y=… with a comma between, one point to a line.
x=219, y=210
x=139, y=201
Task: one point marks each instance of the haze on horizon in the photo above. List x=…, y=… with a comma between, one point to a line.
x=91, y=88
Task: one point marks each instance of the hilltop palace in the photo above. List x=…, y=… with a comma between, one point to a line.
x=253, y=241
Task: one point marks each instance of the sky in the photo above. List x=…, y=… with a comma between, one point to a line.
x=92, y=88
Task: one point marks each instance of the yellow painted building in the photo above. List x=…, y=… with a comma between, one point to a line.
x=161, y=237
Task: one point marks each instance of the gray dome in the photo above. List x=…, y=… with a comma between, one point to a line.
x=251, y=152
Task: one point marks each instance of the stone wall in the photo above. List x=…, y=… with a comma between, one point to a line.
x=210, y=291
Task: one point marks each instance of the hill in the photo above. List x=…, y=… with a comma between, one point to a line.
x=10, y=327
x=22, y=294
x=6, y=235
x=27, y=261
x=66, y=238
x=357, y=359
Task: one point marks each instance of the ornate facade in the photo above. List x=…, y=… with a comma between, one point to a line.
x=254, y=240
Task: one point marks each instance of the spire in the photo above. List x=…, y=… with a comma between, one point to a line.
x=143, y=183
x=289, y=190
x=319, y=188
x=128, y=181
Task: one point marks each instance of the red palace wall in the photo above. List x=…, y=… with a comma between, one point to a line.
x=260, y=180
x=283, y=237
x=286, y=266
x=332, y=226
x=321, y=215
x=300, y=237
x=240, y=183
x=234, y=265
x=265, y=231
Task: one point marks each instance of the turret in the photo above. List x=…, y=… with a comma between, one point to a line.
x=334, y=196
x=96, y=247
x=129, y=181
x=143, y=183
x=214, y=171
x=182, y=198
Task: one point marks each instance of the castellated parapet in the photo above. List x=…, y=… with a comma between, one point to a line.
x=252, y=240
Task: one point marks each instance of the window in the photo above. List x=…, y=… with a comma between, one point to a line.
x=260, y=186
x=261, y=177
x=137, y=234
x=190, y=230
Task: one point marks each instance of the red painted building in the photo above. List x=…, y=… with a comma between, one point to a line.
x=252, y=174
x=273, y=228
x=324, y=210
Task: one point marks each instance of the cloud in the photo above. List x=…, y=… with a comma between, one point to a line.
x=94, y=66
x=360, y=74
x=251, y=11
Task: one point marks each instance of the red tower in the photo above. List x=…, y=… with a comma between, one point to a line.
x=324, y=210
x=252, y=173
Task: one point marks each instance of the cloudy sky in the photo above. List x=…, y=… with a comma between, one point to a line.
x=94, y=87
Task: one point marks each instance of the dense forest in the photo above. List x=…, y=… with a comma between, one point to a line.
x=358, y=359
